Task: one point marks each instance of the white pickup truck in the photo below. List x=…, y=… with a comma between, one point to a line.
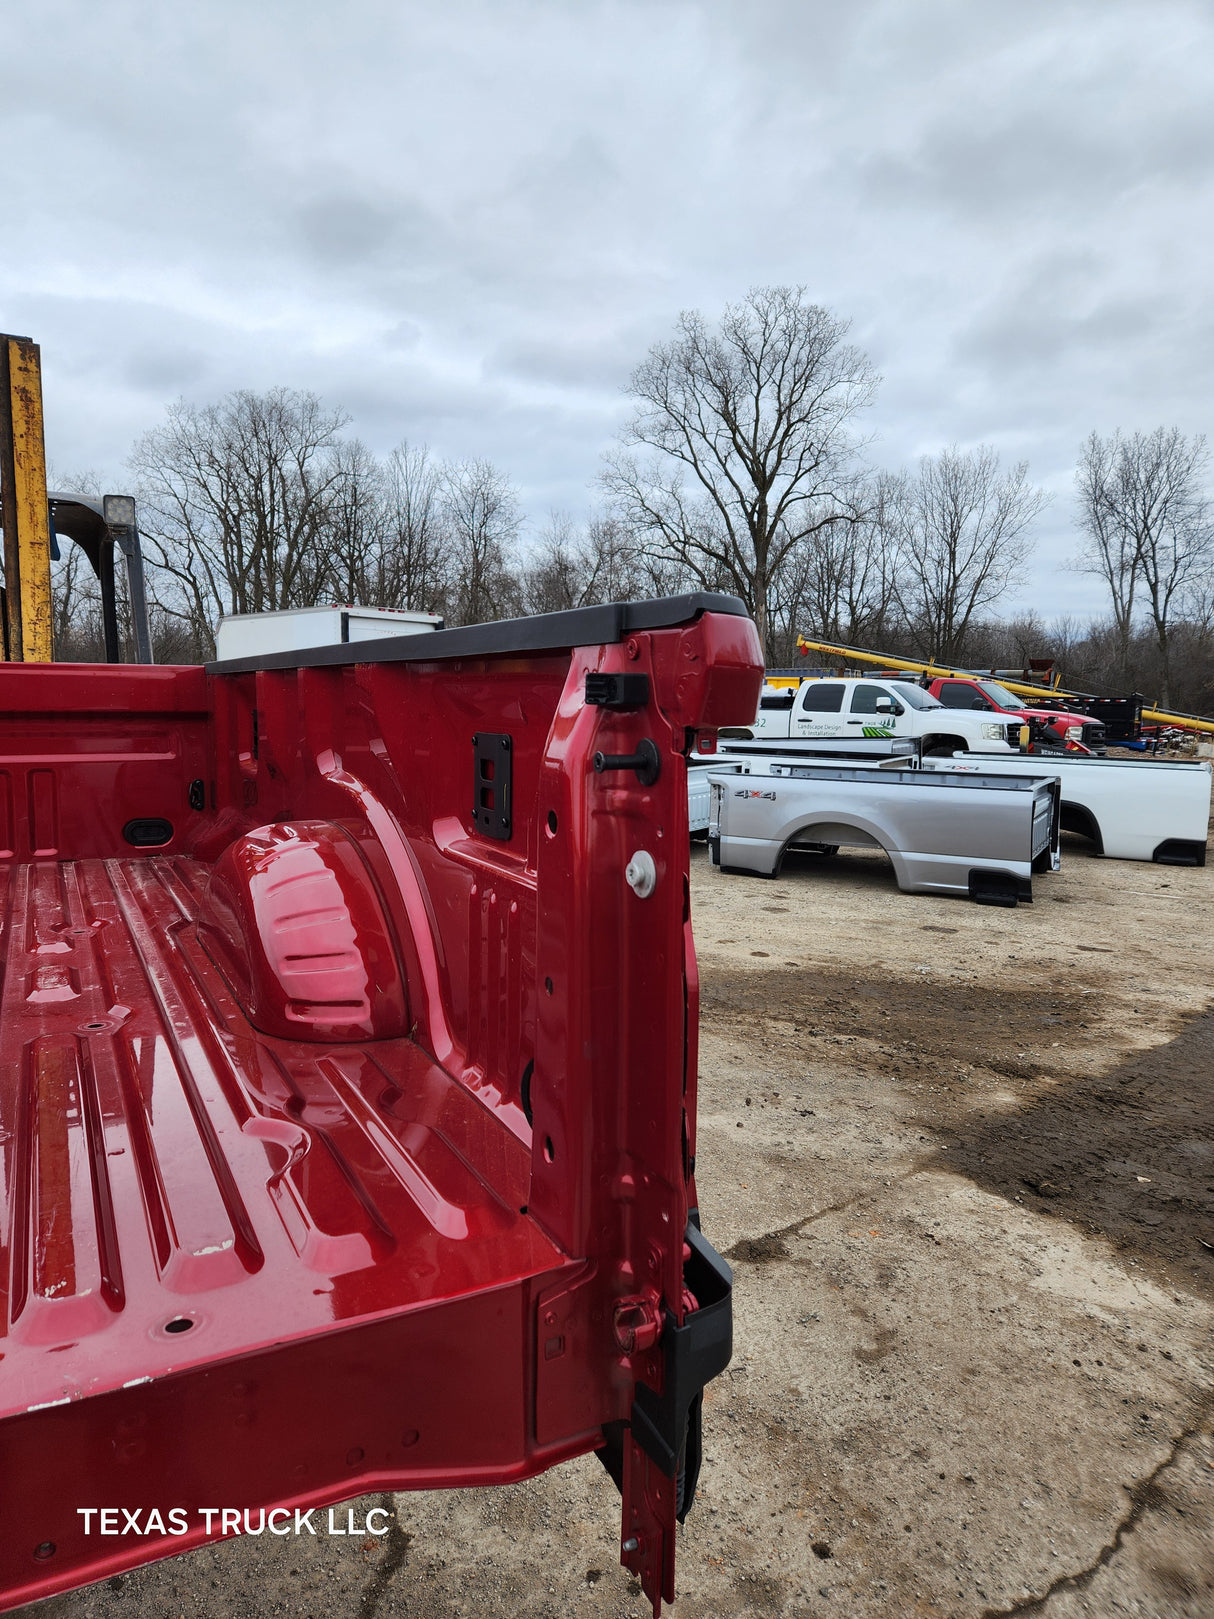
x=872, y=717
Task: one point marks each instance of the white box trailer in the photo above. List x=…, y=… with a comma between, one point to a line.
x=296, y=629
x=1132, y=809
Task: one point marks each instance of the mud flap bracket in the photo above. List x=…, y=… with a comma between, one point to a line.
x=655, y=1457
x=692, y=1355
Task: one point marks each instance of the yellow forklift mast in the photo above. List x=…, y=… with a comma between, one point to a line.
x=33, y=520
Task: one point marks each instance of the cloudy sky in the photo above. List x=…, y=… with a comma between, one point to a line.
x=467, y=220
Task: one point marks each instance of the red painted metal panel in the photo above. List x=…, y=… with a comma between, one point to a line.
x=292, y=919
x=7, y=827
x=84, y=751
x=243, y=1267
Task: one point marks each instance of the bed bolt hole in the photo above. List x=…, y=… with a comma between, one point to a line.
x=552, y=823
x=94, y=1025
x=178, y=1324
x=47, y=1549
x=549, y=1150
x=547, y=986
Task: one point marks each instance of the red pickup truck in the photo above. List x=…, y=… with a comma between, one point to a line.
x=348, y=1080
x=1053, y=727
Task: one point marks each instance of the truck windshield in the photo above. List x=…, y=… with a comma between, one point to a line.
x=999, y=695
x=914, y=696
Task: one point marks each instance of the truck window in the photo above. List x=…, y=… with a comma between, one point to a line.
x=961, y=694
x=914, y=696
x=822, y=697
x=1000, y=696
x=864, y=698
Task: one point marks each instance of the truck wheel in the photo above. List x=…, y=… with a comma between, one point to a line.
x=941, y=746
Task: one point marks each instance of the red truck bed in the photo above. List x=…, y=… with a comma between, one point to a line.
x=347, y=1084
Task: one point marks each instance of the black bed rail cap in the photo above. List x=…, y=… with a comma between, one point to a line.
x=543, y=632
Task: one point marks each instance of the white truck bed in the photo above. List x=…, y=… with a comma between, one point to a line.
x=1132, y=809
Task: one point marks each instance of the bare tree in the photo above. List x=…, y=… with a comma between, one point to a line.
x=1147, y=528
x=621, y=570
x=574, y=567
x=77, y=631
x=481, y=512
x=1110, y=547
x=843, y=587
x=354, y=531
x=1066, y=634
x=961, y=526
x=417, y=545
x=236, y=499
x=750, y=424
x=387, y=540
x=561, y=573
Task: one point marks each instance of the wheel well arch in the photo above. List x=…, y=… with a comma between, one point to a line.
x=1078, y=818
x=939, y=742
x=850, y=823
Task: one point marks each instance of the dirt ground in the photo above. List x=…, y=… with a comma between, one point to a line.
x=962, y=1160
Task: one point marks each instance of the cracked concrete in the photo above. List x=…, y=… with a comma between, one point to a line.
x=395, y=1555
x=963, y=1160
x=1144, y=1495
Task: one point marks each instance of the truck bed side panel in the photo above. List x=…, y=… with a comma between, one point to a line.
x=249, y=1259
x=934, y=838
x=1137, y=804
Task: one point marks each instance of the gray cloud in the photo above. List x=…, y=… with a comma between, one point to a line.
x=466, y=222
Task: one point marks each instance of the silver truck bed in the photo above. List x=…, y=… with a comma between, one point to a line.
x=984, y=843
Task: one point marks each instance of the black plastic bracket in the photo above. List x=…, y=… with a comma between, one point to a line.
x=148, y=832
x=616, y=691
x=667, y=1425
x=1000, y=888
x=1179, y=852
x=646, y=761
x=491, y=784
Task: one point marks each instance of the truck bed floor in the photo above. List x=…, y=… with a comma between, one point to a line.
x=179, y=1189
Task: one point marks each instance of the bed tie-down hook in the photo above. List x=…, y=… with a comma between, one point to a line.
x=646, y=761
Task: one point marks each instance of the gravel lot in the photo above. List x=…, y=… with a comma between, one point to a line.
x=962, y=1160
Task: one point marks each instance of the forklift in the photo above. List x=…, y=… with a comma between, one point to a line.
x=34, y=520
